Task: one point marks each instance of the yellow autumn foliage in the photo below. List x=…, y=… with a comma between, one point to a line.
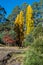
x=19, y=19
x=29, y=20
x=19, y=22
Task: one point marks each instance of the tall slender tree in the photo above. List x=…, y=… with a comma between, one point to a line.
x=29, y=20
x=19, y=21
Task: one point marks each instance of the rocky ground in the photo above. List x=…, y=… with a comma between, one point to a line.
x=12, y=55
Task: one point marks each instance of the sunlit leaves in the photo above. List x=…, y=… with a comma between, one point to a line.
x=29, y=20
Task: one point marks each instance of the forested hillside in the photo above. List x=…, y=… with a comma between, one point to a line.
x=22, y=29
x=22, y=21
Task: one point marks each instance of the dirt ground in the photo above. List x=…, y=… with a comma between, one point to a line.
x=12, y=55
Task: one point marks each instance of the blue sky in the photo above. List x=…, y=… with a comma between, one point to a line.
x=10, y=4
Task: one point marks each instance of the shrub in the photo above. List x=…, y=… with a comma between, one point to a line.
x=38, y=45
x=29, y=39
x=38, y=31
x=34, y=55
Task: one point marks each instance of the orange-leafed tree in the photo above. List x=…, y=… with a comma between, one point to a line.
x=19, y=22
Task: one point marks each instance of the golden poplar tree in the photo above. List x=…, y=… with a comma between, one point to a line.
x=29, y=20
x=19, y=22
